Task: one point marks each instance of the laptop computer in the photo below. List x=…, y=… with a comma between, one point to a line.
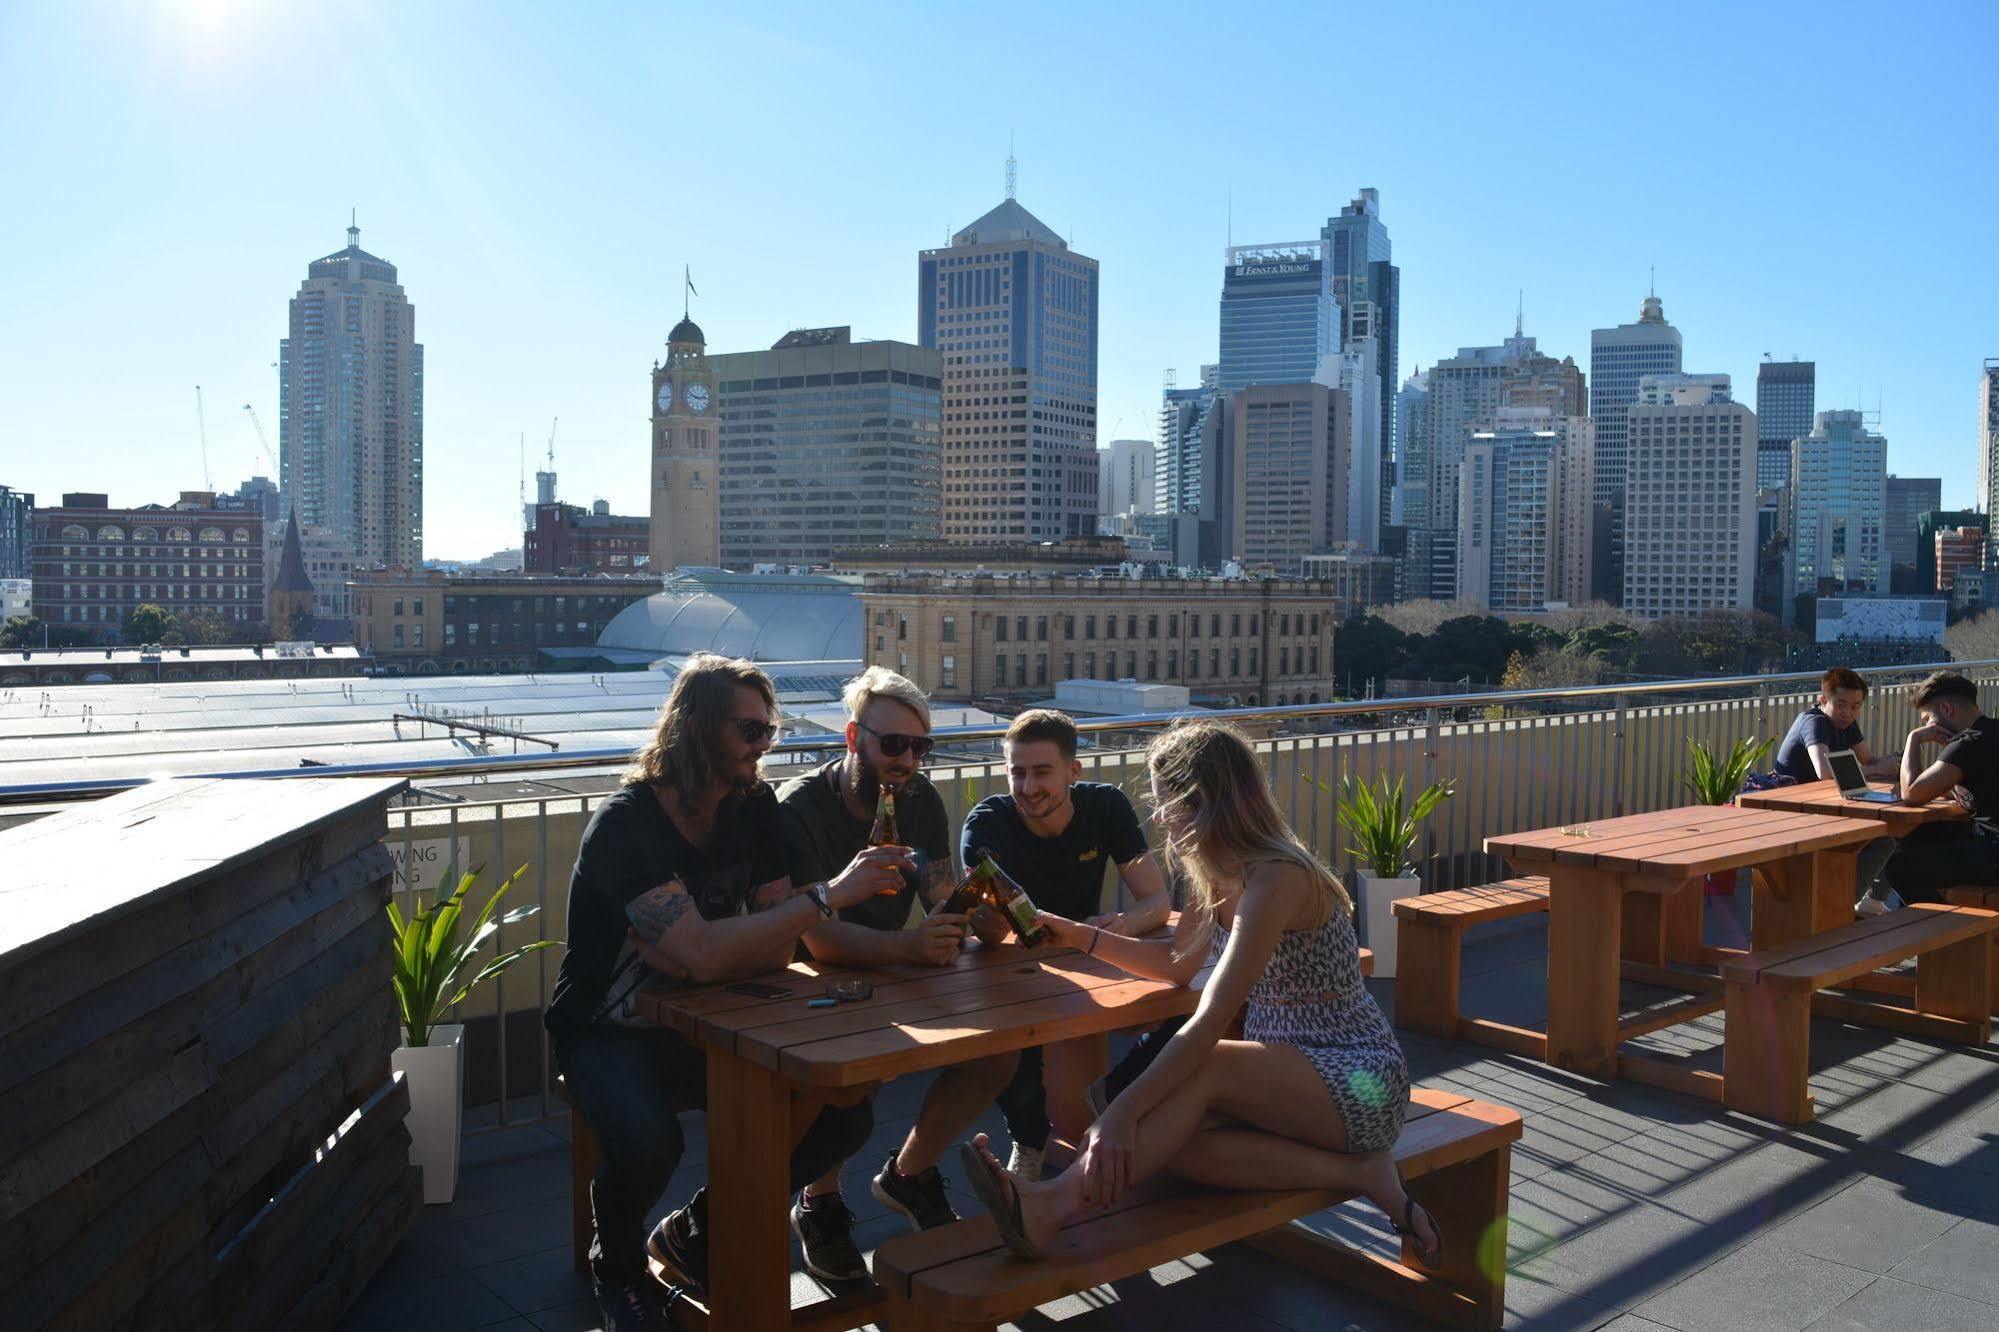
x=1846, y=770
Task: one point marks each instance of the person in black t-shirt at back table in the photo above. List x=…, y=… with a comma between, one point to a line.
x=680, y=877
x=828, y=818
x=1937, y=856
x=1054, y=835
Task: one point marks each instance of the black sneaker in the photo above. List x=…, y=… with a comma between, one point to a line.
x=675, y=1245
x=919, y=1199
x=630, y=1307
x=825, y=1233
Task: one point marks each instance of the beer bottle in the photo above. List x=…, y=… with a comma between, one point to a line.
x=969, y=893
x=1013, y=903
x=884, y=832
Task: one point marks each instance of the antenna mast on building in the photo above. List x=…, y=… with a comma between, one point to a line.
x=1012, y=167
x=201, y=425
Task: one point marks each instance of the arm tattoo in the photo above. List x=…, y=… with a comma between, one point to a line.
x=655, y=912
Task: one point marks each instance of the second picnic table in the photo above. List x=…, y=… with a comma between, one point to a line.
x=1625, y=901
x=1896, y=820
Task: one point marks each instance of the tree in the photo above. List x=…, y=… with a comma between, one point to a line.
x=1473, y=646
x=148, y=624
x=207, y=629
x=1553, y=668
x=1424, y=617
x=1974, y=638
x=1367, y=647
x=21, y=631
x=1615, y=645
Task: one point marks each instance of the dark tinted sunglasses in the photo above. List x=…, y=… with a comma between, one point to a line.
x=895, y=745
x=754, y=732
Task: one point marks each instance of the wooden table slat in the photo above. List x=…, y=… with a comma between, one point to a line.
x=1824, y=798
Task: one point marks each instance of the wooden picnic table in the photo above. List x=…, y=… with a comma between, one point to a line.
x=773, y=1064
x=1625, y=901
x=1896, y=820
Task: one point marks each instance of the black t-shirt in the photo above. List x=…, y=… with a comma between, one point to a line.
x=1065, y=873
x=629, y=848
x=1974, y=751
x=1813, y=727
x=821, y=835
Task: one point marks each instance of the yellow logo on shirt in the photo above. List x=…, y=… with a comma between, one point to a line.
x=1090, y=854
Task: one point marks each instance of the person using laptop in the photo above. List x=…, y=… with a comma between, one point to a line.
x=1829, y=726
x=1832, y=726
x=1956, y=854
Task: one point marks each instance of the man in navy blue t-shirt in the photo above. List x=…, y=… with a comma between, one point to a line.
x=1055, y=835
x=1830, y=725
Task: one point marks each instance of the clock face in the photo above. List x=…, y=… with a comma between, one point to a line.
x=666, y=396
x=697, y=397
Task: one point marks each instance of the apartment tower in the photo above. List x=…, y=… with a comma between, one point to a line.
x=1618, y=359
x=1690, y=497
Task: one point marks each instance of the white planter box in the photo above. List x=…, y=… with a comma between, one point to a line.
x=1378, y=898
x=436, y=1074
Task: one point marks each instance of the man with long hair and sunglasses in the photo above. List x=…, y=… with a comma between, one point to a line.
x=680, y=877
x=828, y=817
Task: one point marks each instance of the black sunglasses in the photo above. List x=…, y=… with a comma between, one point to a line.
x=895, y=745
x=754, y=732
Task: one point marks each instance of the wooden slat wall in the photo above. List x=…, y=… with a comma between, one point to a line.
x=198, y=1124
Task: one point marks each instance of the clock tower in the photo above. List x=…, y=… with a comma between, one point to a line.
x=686, y=483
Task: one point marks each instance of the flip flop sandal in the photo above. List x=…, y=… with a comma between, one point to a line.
x=1407, y=1227
x=1002, y=1202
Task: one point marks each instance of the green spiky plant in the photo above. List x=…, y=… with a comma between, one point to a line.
x=1715, y=780
x=432, y=949
x=1384, y=826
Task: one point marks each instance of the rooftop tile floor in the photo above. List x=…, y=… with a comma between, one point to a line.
x=1632, y=1209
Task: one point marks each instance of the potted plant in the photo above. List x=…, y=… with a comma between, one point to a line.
x=1384, y=827
x=433, y=949
x=1717, y=780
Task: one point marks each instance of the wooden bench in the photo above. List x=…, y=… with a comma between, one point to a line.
x=1454, y=1153
x=1988, y=899
x=1772, y=994
x=1429, y=934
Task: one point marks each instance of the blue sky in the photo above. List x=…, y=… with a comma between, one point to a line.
x=1813, y=180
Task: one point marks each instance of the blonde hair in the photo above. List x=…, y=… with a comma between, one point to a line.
x=881, y=682
x=681, y=755
x=1210, y=782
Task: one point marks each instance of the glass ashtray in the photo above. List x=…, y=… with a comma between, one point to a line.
x=849, y=991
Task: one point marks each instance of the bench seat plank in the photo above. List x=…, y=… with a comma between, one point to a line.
x=1826, y=959
x=965, y=1273
x=1469, y=906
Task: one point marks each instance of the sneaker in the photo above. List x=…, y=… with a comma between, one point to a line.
x=825, y=1233
x=1025, y=1162
x=675, y=1245
x=918, y=1199
x=1869, y=906
x=630, y=1307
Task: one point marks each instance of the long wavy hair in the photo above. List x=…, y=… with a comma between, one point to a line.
x=1212, y=786
x=684, y=752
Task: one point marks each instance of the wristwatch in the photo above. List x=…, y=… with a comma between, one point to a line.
x=817, y=892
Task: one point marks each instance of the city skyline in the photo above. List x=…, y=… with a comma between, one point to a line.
x=586, y=213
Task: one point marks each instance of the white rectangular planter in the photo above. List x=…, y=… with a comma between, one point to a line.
x=1378, y=898
x=436, y=1075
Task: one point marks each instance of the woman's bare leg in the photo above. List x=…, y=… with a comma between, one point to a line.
x=1279, y=1136
x=1067, y=1070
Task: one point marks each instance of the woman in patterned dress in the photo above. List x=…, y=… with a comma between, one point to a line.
x=1315, y=1094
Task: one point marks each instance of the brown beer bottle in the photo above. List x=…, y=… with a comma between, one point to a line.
x=1013, y=903
x=884, y=832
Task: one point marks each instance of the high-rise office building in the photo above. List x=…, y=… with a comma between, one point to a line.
x=1291, y=458
x=1126, y=472
x=1356, y=373
x=15, y=506
x=1524, y=532
x=1786, y=406
x=686, y=510
x=1618, y=358
x=1909, y=498
x=1368, y=288
x=1196, y=493
x=1690, y=497
x=1839, y=484
x=1013, y=311
x=350, y=408
x=826, y=444
x=1412, y=422
x=1943, y=520
x=1279, y=320
x=1988, y=437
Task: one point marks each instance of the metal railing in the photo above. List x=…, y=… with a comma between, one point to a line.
x=1518, y=759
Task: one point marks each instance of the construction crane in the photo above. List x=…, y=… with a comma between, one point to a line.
x=201, y=425
x=259, y=425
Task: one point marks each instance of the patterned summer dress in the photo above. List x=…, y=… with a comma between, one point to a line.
x=1311, y=996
